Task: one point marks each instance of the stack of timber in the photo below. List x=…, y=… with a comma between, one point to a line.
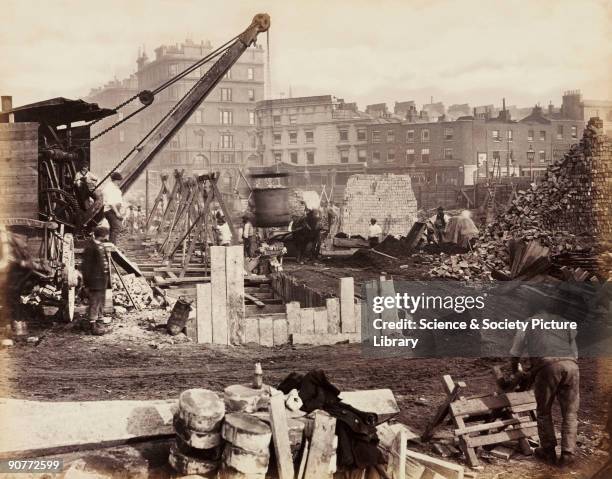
x=198, y=432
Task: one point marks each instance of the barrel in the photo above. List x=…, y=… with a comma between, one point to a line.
x=271, y=207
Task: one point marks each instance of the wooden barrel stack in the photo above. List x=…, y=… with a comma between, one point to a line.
x=198, y=433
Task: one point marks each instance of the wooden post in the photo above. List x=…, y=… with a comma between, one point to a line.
x=280, y=436
x=333, y=315
x=348, y=322
x=293, y=317
x=218, y=284
x=204, y=323
x=234, y=272
x=321, y=447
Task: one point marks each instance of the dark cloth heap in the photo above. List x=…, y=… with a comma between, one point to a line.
x=356, y=430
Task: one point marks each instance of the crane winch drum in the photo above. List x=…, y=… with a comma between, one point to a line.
x=270, y=200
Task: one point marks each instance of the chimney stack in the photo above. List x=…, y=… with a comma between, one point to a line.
x=6, y=103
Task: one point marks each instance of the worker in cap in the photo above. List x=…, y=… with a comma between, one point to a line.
x=113, y=205
x=224, y=233
x=554, y=371
x=248, y=235
x=440, y=225
x=84, y=184
x=374, y=233
x=95, y=271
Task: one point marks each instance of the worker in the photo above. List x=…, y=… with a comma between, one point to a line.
x=374, y=232
x=440, y=225
x=113, y=204
x=224, y=233
x=94, y=268
x=248, y=236
x=84, y=184
x=554, y=372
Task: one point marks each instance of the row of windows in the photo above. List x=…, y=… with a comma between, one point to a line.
x=277, y=137
x=411, y=155
x=293, y=157
x=175, y=69
x=226, y=141
x=410, y=135
x=226, y=94
x=497, y=135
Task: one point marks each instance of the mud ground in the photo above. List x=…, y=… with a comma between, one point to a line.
x=139, y=361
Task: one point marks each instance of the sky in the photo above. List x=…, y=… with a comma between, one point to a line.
x=461, y=51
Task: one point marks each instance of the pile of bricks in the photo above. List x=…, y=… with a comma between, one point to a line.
x=139, y=292
x=568, y=212
x=387, y=198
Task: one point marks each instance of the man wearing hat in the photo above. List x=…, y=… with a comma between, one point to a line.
x=554, y=371
x=95, y=270
x=113, y=202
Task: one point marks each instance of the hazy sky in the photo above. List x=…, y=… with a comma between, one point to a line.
x=372, y=51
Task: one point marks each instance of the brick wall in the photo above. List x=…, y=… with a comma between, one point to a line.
x=388, y=198
x=19, y=171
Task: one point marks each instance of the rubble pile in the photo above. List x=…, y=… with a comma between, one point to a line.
x=138, y=288
x=568, y=212
x=387, y=198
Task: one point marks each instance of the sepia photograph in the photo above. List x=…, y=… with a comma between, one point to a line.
x=261, y=239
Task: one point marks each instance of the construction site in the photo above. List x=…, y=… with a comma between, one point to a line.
x=230, y=341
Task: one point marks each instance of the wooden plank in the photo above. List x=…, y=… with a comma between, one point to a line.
x=293, y=317
x=348, y=321
x=502, y=436
x=280, y=333
x=280, y=436
x=379, y=401
x=321, y=319
x=303, y=459
x=447, y=469
x=266, y=331
x=321, y=447
x=219, y=300
x=484, y=405
x=256, y=301
x=398, y=452
x=442, y=411
x=234, y=272
x=29, y=427
x=491, y=425
x=324, y=339
x=333, y=315
x=307, y=320
x=251, y=330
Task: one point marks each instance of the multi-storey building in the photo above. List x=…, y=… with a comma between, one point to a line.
x=319, y=138
x=109, y=149
x=220, y=135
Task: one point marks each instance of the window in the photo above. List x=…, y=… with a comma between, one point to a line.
x=294, y=157
x=410, y=156
x=276, y=120
x=277, y=138
x=361, y=134
x=293, y=137
x=574, y=132
x=310, y=157
x=344, y=156
x=496, y=156
x=226, y=94
x=425, y=138
x=228, y=75
x=425, y=155
x=227, y=158
x=343, y=135
x=542, y=156
x=172, y=69
x=278, y=156
x=226, y=117
x=495, y=135
x=119, y=116
x=530, y=135
x=197, y=117
x=293, y=119
x=227, y=140
x=390, y=156
x=121, y=136
x=362, y=155
x=448, y=133
x=250, y=74
x=251, y=118
x=309, y=136
x=510, y=135
x=251, y=94
x=173, y=93
x=390, y=136
x=253, y=139
x=410, y=136
x=448, y=153
x=375, y=136
x=376, y=156
x=542, y=135
x=559, y=132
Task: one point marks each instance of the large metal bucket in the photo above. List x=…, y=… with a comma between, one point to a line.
x=271, y=207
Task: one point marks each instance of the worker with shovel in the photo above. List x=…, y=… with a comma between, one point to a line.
x=554, y=372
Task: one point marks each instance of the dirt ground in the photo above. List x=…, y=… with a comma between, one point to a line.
x=139, y=361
